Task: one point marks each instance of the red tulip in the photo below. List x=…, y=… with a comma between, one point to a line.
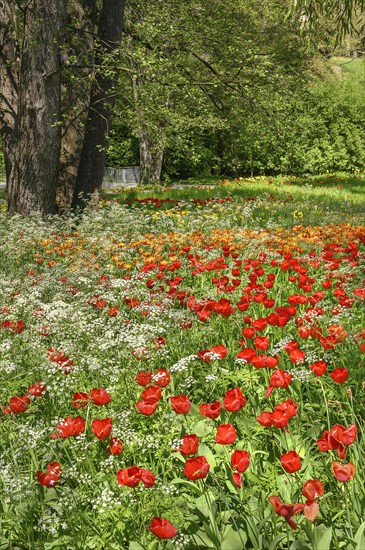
x=297, y=356
x=99, y=396
x=216, y=352
x=279, y=379
x=196, y=468
x=113, y=311
x=240, y=460
x=189, y=445
x=223, y=307
x=259, y=361
x=311, y=509
x=271, y=362
x=147, y=407
x=234, y=400
x=69, y=427
x=17, y=404
x=37, y=390
x=265, y=419
x=102, y=428
x=286, y=510
x=318, y=368
x=348, y=436
x=151, y=393
x=226, y=434
x=115, y=447
x=290, y=462
x=15, y=327
x=248, y=332
x=162, y=528
x=147, y=477
x=312, y=489
x=80, y=399
x=279, y=418
x=328, y=342
x=129, y=477
x=237, y=479
x=342, y=435
x=162, y=378
x=180, y=404
x=210, y=410
x=343, y=472
x=340, y=375
x=247, y=354
x=259, y=324
x=52, y=475
x=143, y=378
x=261, y=342
x=288, y=406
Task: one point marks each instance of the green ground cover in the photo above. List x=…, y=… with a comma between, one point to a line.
x=184, y=369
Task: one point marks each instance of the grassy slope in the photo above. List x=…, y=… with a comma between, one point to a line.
x=290, y=201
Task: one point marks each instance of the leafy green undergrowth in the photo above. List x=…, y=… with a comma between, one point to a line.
x=186, y=374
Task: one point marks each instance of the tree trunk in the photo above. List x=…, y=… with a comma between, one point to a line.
x=75, y=96
x=151, y=149
x=33, y=176
x=93, y=154
x=9, y=81
x=151, y=157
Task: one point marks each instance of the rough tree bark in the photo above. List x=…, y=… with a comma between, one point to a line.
x=36, y=134
x=75, y=94
x=93, y=154
x=37, y=159
x=9, y=81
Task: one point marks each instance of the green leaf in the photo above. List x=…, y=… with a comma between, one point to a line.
x=186, y=483
x=325, y=542
x=360, y=537
x=202, y=540
x=134, y=545
x=233, y=539
x=301, y=545
x=202, y=428
x=276, y=541
x=206, y=504
x=204, y=450
x=50, y=494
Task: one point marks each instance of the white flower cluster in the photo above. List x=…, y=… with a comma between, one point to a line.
x=280, y=345
x=183, y=363
x=301, y=375
x=107, y=500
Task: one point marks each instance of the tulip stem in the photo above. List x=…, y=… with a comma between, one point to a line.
x=326, y=405
x=210, y=512
x=348, y=511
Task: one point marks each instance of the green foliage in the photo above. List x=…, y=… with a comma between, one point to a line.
x=283, y=110
x=52, y=273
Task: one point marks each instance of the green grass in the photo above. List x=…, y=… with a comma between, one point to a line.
x=352, y=67
x=123, y=292
x=318, y=200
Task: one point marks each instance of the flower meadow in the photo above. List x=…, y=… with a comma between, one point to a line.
x=184, y=373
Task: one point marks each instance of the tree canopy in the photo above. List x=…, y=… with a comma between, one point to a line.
x=232, y=87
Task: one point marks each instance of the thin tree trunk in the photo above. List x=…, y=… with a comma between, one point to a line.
x=33, y=176
x=75, y=96
x=151, y=157
x=151, y=150
x=93, y=154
